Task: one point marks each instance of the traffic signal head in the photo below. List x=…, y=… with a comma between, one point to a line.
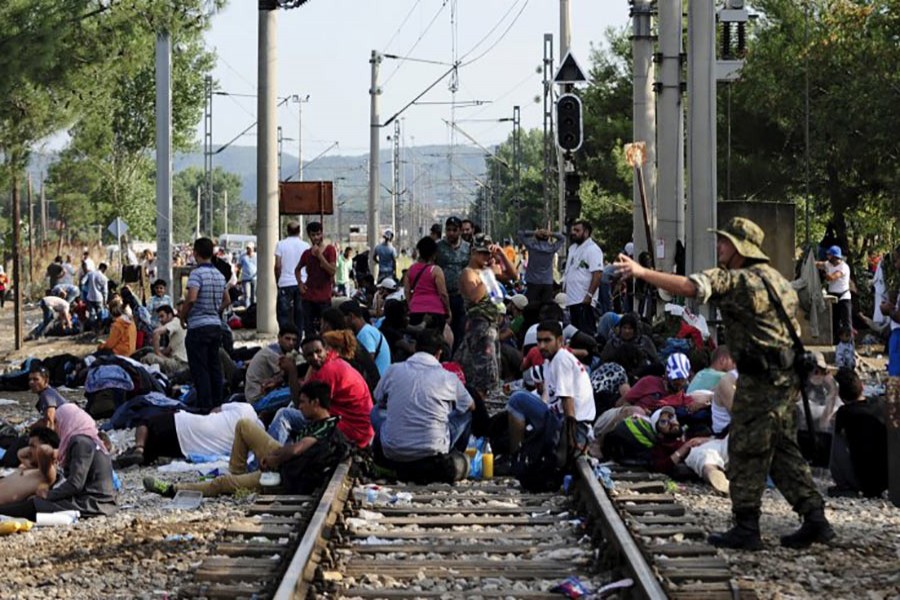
x=568, y=122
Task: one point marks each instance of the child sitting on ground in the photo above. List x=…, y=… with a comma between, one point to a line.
x=845, y=352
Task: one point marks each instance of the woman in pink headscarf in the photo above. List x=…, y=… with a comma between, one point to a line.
x=88, y=485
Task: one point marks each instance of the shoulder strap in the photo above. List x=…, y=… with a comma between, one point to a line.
x=782, y=314
x=799, y=352
x=412, y=288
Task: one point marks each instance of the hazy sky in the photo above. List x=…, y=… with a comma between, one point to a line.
x=324, y=49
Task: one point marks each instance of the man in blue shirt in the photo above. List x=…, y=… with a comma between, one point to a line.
x=248, y=275
x=204, y=301
x=386, y=257
x=370, y=338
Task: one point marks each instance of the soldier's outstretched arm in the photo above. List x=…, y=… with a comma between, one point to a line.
x=674, y=284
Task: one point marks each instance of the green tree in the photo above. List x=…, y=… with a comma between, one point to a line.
x=115, y=134
x=849, y=50
x=241, y=216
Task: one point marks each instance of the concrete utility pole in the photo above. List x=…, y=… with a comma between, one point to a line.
x=206, y=225
x=17, y=262
x=702, y=193
x=644, y=129
x=395, y=180
x=43, y=201
x=164, y=156
x=549, y=145
x=266, y=165
x=670, y=135
x=373, y=233
x=565, y=41
x=225, y=212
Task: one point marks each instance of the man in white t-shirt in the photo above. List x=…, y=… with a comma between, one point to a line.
x=288, y=307
x=53, y=306
x=567, y=392
x=182, y=434
x=837, y=275
x=584, y=270
x=173, y=358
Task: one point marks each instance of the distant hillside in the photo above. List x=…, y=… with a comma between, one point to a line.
x=425, y=170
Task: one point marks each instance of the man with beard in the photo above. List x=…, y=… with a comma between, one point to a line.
x=468, y=230
x=584, y=269
x=452, y=258
x=567, y=394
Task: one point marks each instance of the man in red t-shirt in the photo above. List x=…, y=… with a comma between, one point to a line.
x=350, y=397
x=320, y=262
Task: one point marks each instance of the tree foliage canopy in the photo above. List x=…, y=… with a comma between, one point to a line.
x=87, y=67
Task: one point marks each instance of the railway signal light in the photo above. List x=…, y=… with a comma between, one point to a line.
x=569, y=131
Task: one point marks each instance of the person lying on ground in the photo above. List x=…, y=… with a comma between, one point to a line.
x=84, y=459
x=183, y=434
x=422, y=416
x=37, y=470
x=320, y=429
x=650, y=389
x=349, y=395
x=171, y=359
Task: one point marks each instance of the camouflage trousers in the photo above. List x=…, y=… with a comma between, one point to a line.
x=478, y=354
x=762, y=441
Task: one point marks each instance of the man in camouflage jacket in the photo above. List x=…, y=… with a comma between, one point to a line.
x=763, y=435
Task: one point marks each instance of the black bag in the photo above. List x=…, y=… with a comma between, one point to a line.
x=535, y=463
x=309, y=471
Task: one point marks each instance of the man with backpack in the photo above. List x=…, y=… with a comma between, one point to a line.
x=567, y=399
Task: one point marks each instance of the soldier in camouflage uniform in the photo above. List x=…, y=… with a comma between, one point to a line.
x=763, y=434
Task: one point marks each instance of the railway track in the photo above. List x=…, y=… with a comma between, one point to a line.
x=476, y=539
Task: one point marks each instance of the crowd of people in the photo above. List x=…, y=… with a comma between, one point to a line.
x=408, y=364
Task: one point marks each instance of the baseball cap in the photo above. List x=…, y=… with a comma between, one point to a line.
x=388, y=283
x=453, y=222
x=560, y=299
x=835, y=251
x=482, y=243
x=519, y=300
x=678, y=366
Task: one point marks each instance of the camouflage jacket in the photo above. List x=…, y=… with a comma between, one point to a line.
x=751, y=320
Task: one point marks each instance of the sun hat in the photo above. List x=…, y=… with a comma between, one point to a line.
x=746, y=236
x=678, y=366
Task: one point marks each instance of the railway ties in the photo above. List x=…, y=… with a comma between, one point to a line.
x=475, y=539
x=671, y=541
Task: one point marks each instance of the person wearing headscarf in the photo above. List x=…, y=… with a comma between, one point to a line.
x=83, y=457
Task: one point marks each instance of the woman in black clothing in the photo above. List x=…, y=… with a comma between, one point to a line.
x=88, y=486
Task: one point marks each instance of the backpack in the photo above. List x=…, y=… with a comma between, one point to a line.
x=309, y=471
x=535, y=463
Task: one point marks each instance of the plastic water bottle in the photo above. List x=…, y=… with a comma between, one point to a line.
x=487, y=462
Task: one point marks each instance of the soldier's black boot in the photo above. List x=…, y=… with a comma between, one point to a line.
x=743, y=536
x=815, y=529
